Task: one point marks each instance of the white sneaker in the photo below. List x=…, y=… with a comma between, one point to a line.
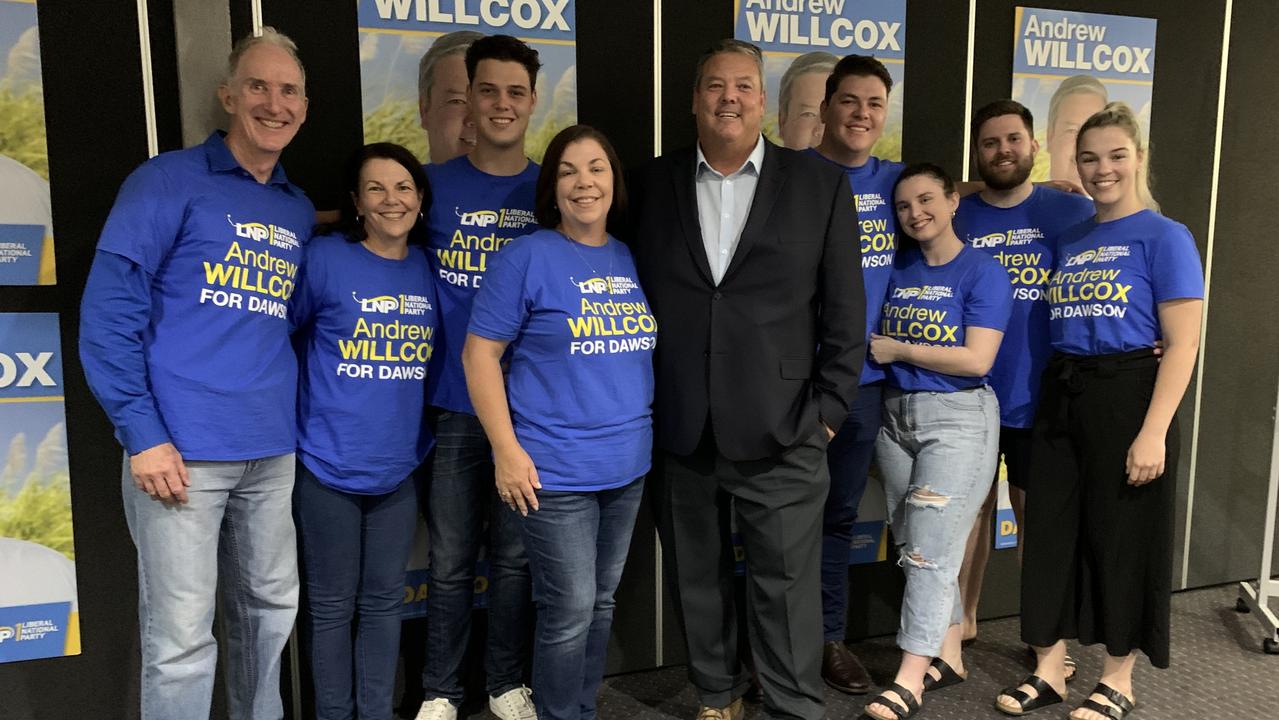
x=513, y=704
x=437, y=709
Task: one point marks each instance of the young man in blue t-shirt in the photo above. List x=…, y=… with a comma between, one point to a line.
x=854, y=112
x=184, y=341
x=1019, y=224
x=480, y=202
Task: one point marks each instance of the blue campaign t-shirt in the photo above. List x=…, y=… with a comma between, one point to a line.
x=365, y=330
x=582, y=335
x=1111, y=277
x=223, y=251
x=472, y=216
x=1024, y=240
x=872, y=186
x=933, y=305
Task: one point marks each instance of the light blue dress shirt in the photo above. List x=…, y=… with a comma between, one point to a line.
x=723, y=203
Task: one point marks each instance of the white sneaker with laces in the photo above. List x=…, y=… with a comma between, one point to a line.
x=515, y=704
x=437, y=709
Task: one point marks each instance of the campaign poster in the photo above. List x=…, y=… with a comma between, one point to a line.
x=415, y=97
x=1005, y=531
x=39, y=609
x=802, y=40
x=26, y=217
x=1067, y=66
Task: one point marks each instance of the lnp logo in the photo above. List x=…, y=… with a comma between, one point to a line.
x=905, y=293
x=33, y=369
x=7, y=632
x=989, y=241
x=478, y=218
x=592, y=286
x=272, y=234
x=379, y=304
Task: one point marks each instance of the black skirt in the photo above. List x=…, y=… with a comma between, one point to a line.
x=1098, y=551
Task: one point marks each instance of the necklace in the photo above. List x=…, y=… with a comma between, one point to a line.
x=608, y=276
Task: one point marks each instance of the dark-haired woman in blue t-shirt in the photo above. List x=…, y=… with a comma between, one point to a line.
x=1098, y=557
x=570, y=423
x=940, y=330
x=364, y=315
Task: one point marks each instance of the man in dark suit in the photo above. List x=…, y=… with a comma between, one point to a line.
x=748, y=255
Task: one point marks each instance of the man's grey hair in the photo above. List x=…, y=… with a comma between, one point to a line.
x=454, y=43
x=268, y=36
x=813, y=62
x=728, y=45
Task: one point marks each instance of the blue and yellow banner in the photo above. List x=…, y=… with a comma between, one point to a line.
x=802, y=39
x=1068, y=65
x=26, y=216
x=39, y=610
x=395, y=35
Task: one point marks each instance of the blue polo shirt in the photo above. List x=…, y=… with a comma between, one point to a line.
x=365, y=327
x=936, y=304
x=872, y=185
x=184, y=330
x=1024, y=240
x=1111, y=276
x=582, y=336
x=472, y=216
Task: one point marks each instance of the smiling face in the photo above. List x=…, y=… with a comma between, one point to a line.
x=1109, y=166
x=388, y=200
x=855, y=116
x=1005, y=152
x=923, y=208
x=584, y=186
x=449, y=131
x=1072, y=111
x=501, y=101
x=267, y=103
x=729, y=103
x=800, y=126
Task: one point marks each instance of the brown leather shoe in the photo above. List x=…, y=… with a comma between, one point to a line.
x=842, y=670
x=734, y=711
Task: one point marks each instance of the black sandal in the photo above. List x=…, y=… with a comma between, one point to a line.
x=899, y=712
x=946, y=676
x=1047, y=696
x=1122, y=705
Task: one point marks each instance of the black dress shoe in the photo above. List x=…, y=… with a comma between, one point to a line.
x=842, y=670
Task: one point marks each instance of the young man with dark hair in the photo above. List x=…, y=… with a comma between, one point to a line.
x=854, y=113
x=1018, y=222
x=481, y=201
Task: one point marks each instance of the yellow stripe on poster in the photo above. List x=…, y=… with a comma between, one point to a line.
x=436, y=33
x=883, y=544
x=54, y=398
x=1106, y=80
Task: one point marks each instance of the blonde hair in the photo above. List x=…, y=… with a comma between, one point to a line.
x=1119, y=114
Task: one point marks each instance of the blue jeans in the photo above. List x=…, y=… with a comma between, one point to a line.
x=460, y=498
x=848, y=456
x=937, y=452
x=354, y=549
x=577, y=544
x=234, y=535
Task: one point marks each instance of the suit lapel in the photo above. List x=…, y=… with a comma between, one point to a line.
x=686, y=206
x=771, y=180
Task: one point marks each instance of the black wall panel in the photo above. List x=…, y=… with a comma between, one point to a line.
x=1240, y=363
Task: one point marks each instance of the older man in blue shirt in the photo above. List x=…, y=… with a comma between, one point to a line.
x=184, y=341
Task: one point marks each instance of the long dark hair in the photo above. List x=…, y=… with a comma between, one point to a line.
x=904, y=241
x=544, y=208
x=348, y=222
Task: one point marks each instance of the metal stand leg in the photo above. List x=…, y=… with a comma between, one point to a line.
x=1256, y=597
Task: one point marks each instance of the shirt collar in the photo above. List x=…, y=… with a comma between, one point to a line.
x=754, y=162
x=222, y=161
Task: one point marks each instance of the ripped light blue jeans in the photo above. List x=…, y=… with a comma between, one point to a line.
x=937, y=453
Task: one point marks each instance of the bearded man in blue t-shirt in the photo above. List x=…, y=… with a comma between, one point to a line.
x=184, y=341
x=1018, y=223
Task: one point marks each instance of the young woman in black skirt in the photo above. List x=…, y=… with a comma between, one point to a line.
x=1101, y=490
